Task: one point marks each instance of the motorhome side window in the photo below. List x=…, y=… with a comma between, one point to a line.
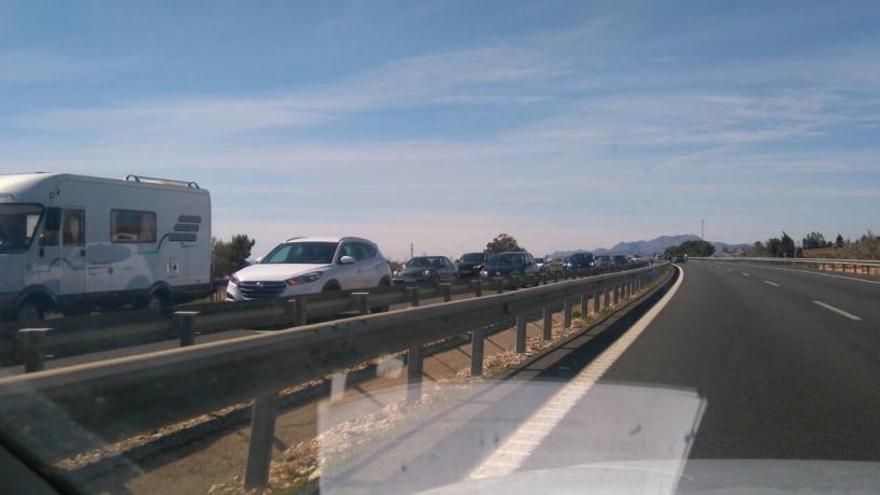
x=74, y=231
x=132, y=226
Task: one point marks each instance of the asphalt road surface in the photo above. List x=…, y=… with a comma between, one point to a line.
x=735, y=363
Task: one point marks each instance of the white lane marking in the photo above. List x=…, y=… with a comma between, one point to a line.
x=746, y=274
x=837, y=310
x=510, y=455
x=820, y=273
x=774, y=284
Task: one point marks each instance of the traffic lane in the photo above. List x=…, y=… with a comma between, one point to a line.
x=856, y=296
x=778, y=381
x=846, y=309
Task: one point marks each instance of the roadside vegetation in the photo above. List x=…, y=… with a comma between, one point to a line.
x=230, y=256
x=815, y=245
x=690, y=248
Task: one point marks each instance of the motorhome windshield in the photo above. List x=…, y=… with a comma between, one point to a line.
x=18, y=225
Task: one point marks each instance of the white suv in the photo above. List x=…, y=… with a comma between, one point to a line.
x=306, y=265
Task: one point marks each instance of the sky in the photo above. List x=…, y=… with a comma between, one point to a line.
x=566, y=124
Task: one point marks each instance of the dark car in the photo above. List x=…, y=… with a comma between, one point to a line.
x=427, y=269
x=579, y=261
x=620, y=259
x=470, y=264
x=509, y=265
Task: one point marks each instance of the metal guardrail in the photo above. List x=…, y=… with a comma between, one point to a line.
x=55, y=413
x=867, y=267
x=91, y=333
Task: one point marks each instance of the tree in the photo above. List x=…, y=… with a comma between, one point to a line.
x=503, y=243
x=815, y=240
x=839, y=242
x=691, y=248
x=787, y=246
x=229, y=257
x=774, y=247
x=758, y=249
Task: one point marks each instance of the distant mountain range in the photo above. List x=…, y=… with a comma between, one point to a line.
x=648, y=248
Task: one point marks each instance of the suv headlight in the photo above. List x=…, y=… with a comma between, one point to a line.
x=426, y=273
x=304, y=279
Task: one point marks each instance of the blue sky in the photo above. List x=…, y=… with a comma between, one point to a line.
x=566, y=124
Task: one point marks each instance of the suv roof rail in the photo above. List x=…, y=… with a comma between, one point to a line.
x=159, y=180
x=295, y=238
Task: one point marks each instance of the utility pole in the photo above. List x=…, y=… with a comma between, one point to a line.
x=410, y=250
x=702, y=229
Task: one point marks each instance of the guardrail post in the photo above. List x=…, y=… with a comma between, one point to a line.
x=547, y=331
x=606, y=299
x=412, y=294
x=296, y=309
x=615, y=294
x=32, y=338
x=585, y=306
x=414, y=373
x=184, y=326
x=520, y=347
x=477, y=337
x=498, y=284
x=446, y=291
x=291, y=311
x=566, y=313
x=361, y=301
x=260, y=448
x=477, y=286
x=555, y=277
x=596, y=300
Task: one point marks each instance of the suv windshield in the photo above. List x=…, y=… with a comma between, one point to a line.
x=473, y=257
x=18, y=224
x=307, y=253
x=503, y=260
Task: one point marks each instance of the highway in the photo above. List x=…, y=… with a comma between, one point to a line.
x=737, y=362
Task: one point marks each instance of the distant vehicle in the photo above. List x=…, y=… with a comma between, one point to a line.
x=510, y=264
x=680, y=258
x=307, y=265
x=620, y=259
x=432, y=269
x=543, y=264
x=602, y=261
x=470, y=264
x=578, y=261
x=71, y=243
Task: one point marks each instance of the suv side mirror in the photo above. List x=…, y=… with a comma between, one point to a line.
x=257, y=261
x=346, y=260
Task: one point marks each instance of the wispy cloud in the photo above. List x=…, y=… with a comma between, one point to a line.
x=454, y=78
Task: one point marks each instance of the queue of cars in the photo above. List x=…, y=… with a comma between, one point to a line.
x=308, y=265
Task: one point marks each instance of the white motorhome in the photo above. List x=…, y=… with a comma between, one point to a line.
x=69, y=243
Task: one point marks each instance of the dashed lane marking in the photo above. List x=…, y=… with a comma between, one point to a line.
x=837, y=310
